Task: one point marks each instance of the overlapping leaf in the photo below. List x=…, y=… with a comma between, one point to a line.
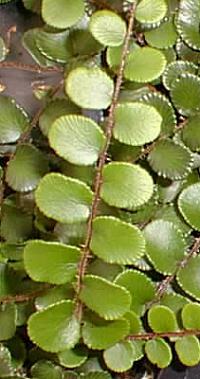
x=119, y=179
x=81, y=86
x=115, y=241
x=136, y=124
x=54, y=329
x=64, y=199
x=167, y=249
x=77, y=139
x=110, y=307
x=51, y=262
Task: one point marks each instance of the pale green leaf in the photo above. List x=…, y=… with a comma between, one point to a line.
x=81, y=86
x=29, y=43
x=110, y=307
x=144, y=65
x=158, y=352
x=64, y=199
x=77, y=139
x=119, y=358
x=167, y=249
x=191, y=316
x=115, y=241
x=72, y=358
x=162, y=319
x=54, y=46
x=163, y=37
x=55, y=109
x=119, y=179
x=188, y=350
x=108, y=28
x=99, y=334
x=51, y=262
x=136, y=124
x=54, y=328
x=62, y=15
x=139, y=286
x=151, y=12
x=189, y=205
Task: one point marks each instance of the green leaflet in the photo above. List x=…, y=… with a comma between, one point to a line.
x=55, y=109
x=174, y=70
x=190, y=133
x=72, y=358
x=51, y=262
x=165, y=109
x=188, y=344
x=81, y=85
x=118, y=181
x=44, y=369
x=60, y=16
x=99, y=334
x=144, y=65
x=162, y=319
x=188, y=277
x=163, y=37
x=13, y=120
x=26, y=168
x=159, y=352
x=108, y=28
x=148, y=12
x=189, y=205
x=140, y=287
x=167, y=249
x=170, y=159
x=8, y=318
x=115, y=241
x=188, y=23
x=77, y=139
x=114, y=305
x=185, y=94
x=64, y=199
x=6, y=367
x=119, y=358
x=55, y=328
x=191, y=316
x=136, y=124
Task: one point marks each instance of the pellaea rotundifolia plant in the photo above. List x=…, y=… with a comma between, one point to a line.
x=100, y=192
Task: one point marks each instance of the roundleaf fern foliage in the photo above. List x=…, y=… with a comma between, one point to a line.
x=100, y=192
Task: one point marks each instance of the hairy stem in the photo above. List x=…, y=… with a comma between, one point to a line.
x=21, y=298
x=29, y=67
x=165, y=283
x=102, y=161
x=152, y=335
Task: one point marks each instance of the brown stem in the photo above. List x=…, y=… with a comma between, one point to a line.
x=102, y=161
x=165, y=283
x=29, y=67
x=21, y=298
x=151, y=335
